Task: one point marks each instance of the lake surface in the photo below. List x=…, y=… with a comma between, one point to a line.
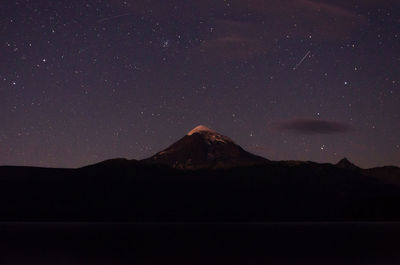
x=176, y=244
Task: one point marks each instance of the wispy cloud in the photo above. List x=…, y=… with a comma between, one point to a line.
x=313, y=126
x=328, y=20
x=234, y=39
x=328, y=9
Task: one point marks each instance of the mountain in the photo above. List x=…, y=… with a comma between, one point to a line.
x=203, y=148
x=346, y=164
x=388, y=174
x=203, y=177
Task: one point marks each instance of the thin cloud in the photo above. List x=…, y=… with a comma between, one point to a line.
x=332, y=21
x=328, y=9
x=312, y=126
x=234, y=40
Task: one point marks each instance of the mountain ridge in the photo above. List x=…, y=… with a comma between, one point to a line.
x=231, y=185
x=125, y=190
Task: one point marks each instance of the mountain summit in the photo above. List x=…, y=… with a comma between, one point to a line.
x=203, y=147
x=346, y=164
x=201, y=129
x=209, y=135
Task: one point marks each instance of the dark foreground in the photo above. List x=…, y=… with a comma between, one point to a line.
x=130, y=191
x=176, y=244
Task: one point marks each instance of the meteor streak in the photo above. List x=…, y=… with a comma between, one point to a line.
x=301, y=61
x=113, y=17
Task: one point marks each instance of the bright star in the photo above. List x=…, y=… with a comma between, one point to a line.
x=165, y=44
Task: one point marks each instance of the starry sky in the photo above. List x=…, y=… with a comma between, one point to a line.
x=84, y=81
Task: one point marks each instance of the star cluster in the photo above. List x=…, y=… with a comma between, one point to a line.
x=84, y=81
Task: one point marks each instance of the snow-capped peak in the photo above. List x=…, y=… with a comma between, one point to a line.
x=210, y=135
x=201, y=128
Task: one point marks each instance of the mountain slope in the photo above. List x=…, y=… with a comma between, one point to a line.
x=388, y=174
x=204, y=148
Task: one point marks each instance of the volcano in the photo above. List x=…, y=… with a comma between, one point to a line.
x=204, y=148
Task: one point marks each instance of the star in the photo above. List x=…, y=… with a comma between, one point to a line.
x=165, y=43
x=155, y=69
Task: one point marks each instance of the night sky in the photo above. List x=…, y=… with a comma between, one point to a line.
x=85, y=81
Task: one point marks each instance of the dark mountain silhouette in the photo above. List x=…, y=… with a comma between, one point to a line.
x=224, y=184
x=346, y=164
x=204, y=148
x=388, y=174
